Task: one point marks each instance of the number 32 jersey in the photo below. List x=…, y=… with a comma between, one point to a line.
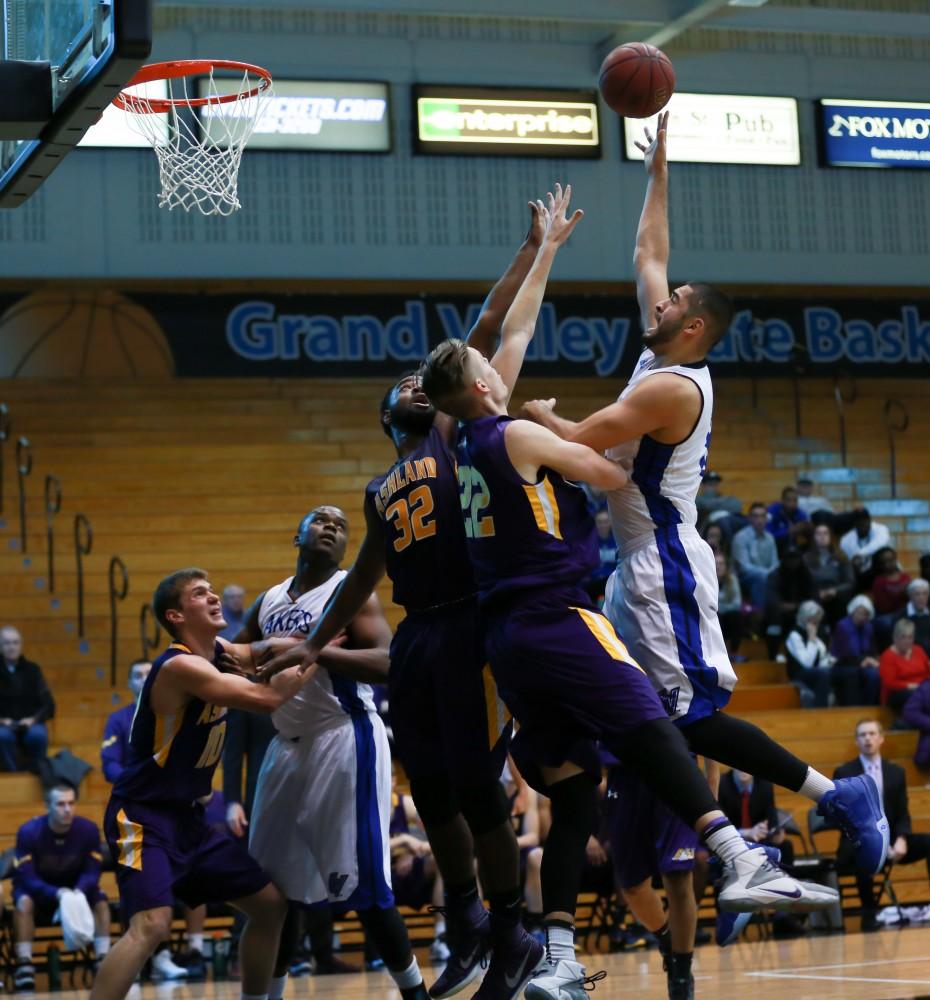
x=425, y=547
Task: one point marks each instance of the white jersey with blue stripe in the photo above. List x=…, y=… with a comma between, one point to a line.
x=664, y=478
x=328, y=700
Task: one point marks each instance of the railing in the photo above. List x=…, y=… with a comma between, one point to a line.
x=4, y=437
x=117, y=594
x=52, y=507
x=23, y=469
x=897, y=420
x=83, y=543
x=845, y=392
x=150, y=640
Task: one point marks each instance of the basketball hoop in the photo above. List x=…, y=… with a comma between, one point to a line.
x=198, y=136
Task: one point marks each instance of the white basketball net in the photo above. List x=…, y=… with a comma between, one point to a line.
x=199, y=149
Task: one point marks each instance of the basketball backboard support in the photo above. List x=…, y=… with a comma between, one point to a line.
x=87, y=50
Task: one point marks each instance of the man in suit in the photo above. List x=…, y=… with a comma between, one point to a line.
x=906, y=847
x=749, y=804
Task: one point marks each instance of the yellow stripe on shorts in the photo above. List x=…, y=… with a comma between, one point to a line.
x=497, y=712
x=130, y=842
x=604, y=632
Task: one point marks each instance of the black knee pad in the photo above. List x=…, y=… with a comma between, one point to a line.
x=573, y=803
x=484, y=807
x=435, y=800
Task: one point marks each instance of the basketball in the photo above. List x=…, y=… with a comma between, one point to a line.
x=637, y=80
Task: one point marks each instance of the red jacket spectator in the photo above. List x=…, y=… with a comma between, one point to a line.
x=903, y=666
x=889, y=588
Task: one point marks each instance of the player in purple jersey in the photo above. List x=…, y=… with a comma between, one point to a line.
x=564, y=673
x=441, y=697
x=155, y=822
x=663, y=594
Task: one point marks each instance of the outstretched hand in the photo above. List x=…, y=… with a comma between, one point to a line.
x=554, y=213
x=303, y=655
x=537, y=231
x=653, y=149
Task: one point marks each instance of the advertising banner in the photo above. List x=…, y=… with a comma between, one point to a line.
x=874, y=133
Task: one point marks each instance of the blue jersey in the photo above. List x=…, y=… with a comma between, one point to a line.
x=47, y=861
x=425, y=549
x=520, y=535
x=171, y=759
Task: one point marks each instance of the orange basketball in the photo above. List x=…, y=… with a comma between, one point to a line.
x=637, y=80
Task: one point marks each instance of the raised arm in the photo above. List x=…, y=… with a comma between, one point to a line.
x=484, y=334
x=347, y=601
x=650, y=257
x=520, y=321
x=530, y=446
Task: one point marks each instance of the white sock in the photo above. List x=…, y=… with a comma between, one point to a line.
x=409, y=977
x=816, y=785
x=726, y=843
x=276, y=987
x=24, y=951
x=440, y=927
x=195, y=942
x=101, y=945
x=560, y=943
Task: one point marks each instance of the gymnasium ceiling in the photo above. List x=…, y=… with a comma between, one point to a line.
x=658, y=21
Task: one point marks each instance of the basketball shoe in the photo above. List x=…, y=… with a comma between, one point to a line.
x=565, y=980
x=751, y=881
x=515, y=958
x=856, y=808
x=467, y=936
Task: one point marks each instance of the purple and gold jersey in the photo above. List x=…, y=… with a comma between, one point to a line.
x=425, y=549
x=171, y=759
x=520, y=535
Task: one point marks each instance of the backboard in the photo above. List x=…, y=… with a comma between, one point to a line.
x=63, y=62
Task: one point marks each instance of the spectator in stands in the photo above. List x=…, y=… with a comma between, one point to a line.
x=856, y=679
x=917, y=611
x=787, y=587
x=597, y=581
x=906, y=846
x=54, y=852
x=811, y=503
x=25, y=704
x=925, y=566
x=863, y=540
x=830, y=572
x=755, y=555
x=717, y=538
x=809, y=662
x=801, y=536
x=916, y=713
x=889, y=583
x=712, y=505
x=115, y=744
x=783, y=516
x=903, y=666
x=234, y=611
x=113, y=752
x=730, y=607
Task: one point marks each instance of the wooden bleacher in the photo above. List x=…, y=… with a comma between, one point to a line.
x=218, y=473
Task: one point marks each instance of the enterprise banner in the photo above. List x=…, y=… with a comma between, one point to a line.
x=504, y=122
x=874, y=133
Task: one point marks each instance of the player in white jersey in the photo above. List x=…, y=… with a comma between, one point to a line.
x=323, y=801
x=662, y=597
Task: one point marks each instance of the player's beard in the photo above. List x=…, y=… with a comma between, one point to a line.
x=413, y=421
x=662, y=334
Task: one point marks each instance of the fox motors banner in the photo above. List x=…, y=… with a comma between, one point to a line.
x=62, y=333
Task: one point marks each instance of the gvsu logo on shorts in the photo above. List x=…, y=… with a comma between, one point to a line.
x=337, y=883
x=669, y=699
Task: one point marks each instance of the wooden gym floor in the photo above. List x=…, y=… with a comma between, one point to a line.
x=888, y=965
